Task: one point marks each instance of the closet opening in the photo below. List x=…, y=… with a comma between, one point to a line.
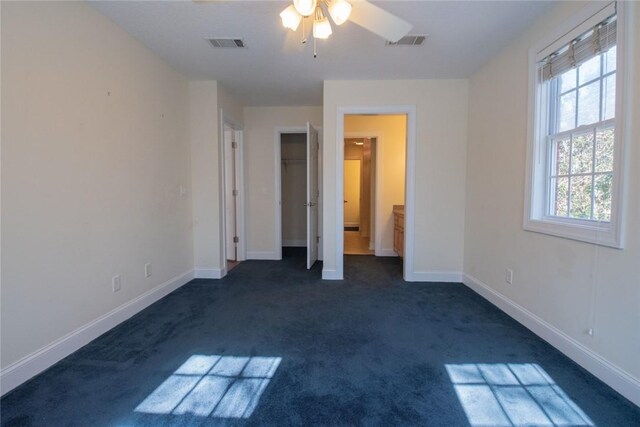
x=298, y=192
x=293, y=190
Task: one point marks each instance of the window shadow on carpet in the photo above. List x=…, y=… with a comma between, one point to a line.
x=213, y=386
x=513, y=394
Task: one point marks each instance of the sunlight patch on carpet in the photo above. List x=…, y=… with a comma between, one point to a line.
x=513, y=394
x=216, y=386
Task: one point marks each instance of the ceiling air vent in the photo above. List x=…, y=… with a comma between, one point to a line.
x=226, y=42
x=408, y=41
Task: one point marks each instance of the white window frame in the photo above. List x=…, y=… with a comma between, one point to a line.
x=536, y=215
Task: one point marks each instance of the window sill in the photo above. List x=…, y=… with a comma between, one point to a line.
x=603, y=235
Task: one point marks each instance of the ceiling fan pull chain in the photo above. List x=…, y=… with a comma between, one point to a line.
x=315, y=50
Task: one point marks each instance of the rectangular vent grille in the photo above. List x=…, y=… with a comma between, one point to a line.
x=408, y=41
x=226, y=42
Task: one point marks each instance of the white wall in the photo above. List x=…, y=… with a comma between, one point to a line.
x=232, y=107
x=572, y=286
x=206, y=99
x=260, y=170
x=95, y=145
x=440, y=164
x=206, y=178
x=391, y=146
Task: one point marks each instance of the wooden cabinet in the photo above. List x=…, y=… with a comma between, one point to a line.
x=398, y=229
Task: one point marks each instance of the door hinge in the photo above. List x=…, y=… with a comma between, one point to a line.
x=235, y=193
x=234, y=144
x=235, y=239
x=317, y=239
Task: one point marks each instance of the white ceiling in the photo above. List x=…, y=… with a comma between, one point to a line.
x=276, y=69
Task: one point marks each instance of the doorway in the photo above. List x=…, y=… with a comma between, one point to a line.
x=297, y=190
x=408, y=183
x=358, y=199
x=293, y=189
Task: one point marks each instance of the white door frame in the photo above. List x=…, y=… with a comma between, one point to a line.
x=278, y=132
x=410, y=175
x=240, y=201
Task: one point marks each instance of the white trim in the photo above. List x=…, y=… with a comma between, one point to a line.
x=331, y=274
x=410, y=111
x=209, y=273
x=438, y=276
x=268, y=255
x=277, y=133
x=298, y=243
x=387, y=252
x=36, y=362
x=534, y=215
x=620, y=380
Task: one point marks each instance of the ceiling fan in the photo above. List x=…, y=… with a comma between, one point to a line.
x=360, y=12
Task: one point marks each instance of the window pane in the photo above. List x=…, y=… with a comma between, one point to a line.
x=589, y=70
x=568, y=80
x=582, y=153
x=602, y=197
x=589, y=104
x=609, y=95
x=567, y=112
x=604, y=149
x=610, y=60
x=560, y=187
x=581, y=197
x=561, y=157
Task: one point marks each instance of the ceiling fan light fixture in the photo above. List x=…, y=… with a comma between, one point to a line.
x=291, y=18
x=321, y=26
x=305, y=7
x=339, y=11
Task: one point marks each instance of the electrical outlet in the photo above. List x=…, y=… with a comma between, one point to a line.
x=147, y=269
x=508, y=276
x=115, y=283
x=590, y=332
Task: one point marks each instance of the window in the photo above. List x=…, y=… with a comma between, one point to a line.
x=576, y=139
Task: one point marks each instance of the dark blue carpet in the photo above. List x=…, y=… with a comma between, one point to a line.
x=272, y=344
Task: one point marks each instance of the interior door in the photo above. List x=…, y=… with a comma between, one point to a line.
x=312, y=195
x=230, y=194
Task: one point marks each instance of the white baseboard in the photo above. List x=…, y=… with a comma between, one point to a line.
x=36, y=362
x=386, y=252
x=436, y=276
x=618, y=379
x=330, y=275
x=262, y=255
x=209, y=273
x=295, y=243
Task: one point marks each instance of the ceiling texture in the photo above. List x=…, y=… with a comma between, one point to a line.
x=275, y=68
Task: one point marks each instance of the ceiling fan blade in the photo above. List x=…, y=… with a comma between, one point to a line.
x=378, y=21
